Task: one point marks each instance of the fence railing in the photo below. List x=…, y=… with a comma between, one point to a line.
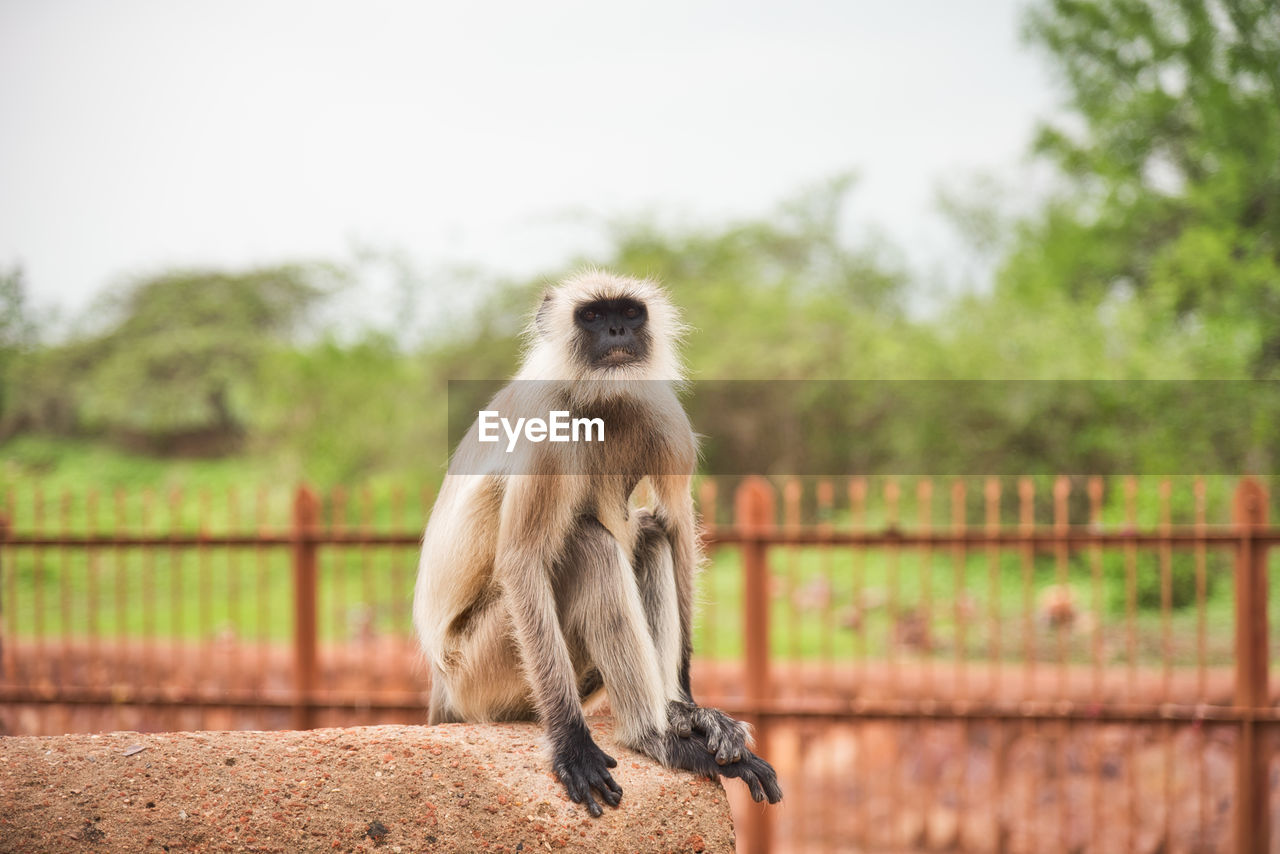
x=758, y=532
x=824, y=609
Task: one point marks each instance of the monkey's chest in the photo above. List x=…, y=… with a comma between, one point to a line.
x=632, y=452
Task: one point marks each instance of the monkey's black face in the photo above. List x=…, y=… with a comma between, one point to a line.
x=612, y=332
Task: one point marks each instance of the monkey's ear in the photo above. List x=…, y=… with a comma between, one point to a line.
x=542, y=318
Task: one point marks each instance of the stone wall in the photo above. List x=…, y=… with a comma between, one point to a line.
x=455, y=788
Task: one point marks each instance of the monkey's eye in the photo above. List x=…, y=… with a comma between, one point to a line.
x=632, y=313
x=588, y=315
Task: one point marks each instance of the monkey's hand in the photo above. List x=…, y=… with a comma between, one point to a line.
x=693, y=753
x=725, y=737
x=582, y=766
x=759, y=776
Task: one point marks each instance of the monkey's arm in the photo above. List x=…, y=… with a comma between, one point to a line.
x=535, y=520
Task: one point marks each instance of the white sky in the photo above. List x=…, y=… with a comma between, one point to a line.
x=138, y=134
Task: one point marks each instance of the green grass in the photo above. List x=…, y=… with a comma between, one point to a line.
x=837, y=603
x=844, y=605
x=56, y=464
x=164, y=593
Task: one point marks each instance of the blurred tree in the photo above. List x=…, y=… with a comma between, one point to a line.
x=787, y=296
x=335, y=411
x=1171, y=147
x=17, y=328
x=173, y=367
x=17, y=336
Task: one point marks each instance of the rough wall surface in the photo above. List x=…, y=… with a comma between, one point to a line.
x=453, y=788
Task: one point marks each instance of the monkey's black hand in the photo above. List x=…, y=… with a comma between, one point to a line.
x=759, y=776
x=725, y=737
x=693, y=753
x=582, y=766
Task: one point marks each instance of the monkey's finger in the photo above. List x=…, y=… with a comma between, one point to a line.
x=720, y=746
x=609, y=760
x=748, y=776
x=603, y=781
x=608, y=781
x=726, y=747
x=610, y=791
x=703, y=721
x=684, y=728
x=580, y=792
x=575, y=787
x=578, y=788
x=768, y=778
x=772, y=789
x=739, y=746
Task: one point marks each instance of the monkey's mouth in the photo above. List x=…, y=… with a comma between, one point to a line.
x=617, y=356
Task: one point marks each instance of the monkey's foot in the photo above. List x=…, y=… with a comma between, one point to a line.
x=693, y=753
x=582, y=766
x=725, y=737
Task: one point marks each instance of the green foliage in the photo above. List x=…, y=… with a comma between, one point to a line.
x=180, y=352
x=1173, y=168
x=17, y=331
x=333, y=413
x=783, y=297
x=786, y=297
x=1143, y=581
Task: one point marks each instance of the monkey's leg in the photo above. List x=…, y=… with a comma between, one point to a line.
x=439, y=711
x=655, y=573
x=695, y=734
x=666, y=558
x=603, y=609
x=482, y=681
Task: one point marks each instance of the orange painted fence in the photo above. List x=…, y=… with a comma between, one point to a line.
x=1028, y=665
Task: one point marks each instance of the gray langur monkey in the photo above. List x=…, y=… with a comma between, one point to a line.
x=541, y=585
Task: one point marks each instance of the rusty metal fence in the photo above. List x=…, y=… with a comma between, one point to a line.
x=978, y=665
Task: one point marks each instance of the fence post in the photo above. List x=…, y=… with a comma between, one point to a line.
x=754, y=516
x=306, y=516
x=1253, y=831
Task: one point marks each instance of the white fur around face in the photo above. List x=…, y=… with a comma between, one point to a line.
x=550, y=333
